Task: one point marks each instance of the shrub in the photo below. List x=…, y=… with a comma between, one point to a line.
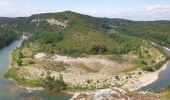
x=148, y=69
x=54, y=84
x=98, y=49
x=139, y=73
x=117, y=77
x=19, y=62
x=88, y=81
x=117, y=58
x=31, y=62
x=20, y=55
x=144, y=62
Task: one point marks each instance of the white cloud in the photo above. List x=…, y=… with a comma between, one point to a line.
x=158, y=9
x=154, y=12
x=109, y=14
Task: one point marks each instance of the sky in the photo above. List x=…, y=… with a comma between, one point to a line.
x=127, y=9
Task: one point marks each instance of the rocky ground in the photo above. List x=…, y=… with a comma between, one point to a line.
x=87, y=73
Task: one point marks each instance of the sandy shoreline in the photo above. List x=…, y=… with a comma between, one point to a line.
x=146, y=79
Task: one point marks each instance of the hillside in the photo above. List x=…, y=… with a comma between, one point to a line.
x=70, y=33
x=7, y=37
x=157, y=31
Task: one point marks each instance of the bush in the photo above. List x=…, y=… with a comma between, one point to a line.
x=148, y=69
x=98, y=49
x=117, y=77
x=144, y=62
x=19, y=62
x=154, y=67
x=31, y=62
x=117, y=58
x=20, y=55
x=88, y=81
x=54, y=84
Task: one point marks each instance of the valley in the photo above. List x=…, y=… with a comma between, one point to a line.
x=68, y=51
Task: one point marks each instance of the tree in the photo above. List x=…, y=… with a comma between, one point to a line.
x=98, y=49
x=54, y=84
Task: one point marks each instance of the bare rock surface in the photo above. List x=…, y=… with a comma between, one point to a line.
x=109, y=94
x=102, y=94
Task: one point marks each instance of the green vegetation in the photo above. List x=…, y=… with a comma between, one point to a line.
x=117, y=58
x=7, y=36
x=156, y=31
x=49, y=82
x=74, y=42
x=154, y=67
x=54, y=84
x=13, y=73
x=16, y=58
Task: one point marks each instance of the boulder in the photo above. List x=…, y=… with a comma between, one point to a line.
x=110, y=94
x=102, y=94
x=82, y=96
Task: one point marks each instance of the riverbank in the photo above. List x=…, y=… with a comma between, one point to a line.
x=80, y=79
x=146, y=79
x=135, y=80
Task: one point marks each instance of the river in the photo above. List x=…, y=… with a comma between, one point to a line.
x=8, y=88
x=162, y=82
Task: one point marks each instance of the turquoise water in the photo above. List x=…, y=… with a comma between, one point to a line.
x=8, y=88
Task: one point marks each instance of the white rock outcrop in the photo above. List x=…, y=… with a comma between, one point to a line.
x=57, y=22
x=102, y=94
x=52, y=21
x=109, y=94
x=39, y=55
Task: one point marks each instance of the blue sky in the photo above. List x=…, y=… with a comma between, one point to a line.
x=128, y=9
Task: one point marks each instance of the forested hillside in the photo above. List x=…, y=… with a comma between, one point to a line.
x=7, y=36
x=158, y=31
